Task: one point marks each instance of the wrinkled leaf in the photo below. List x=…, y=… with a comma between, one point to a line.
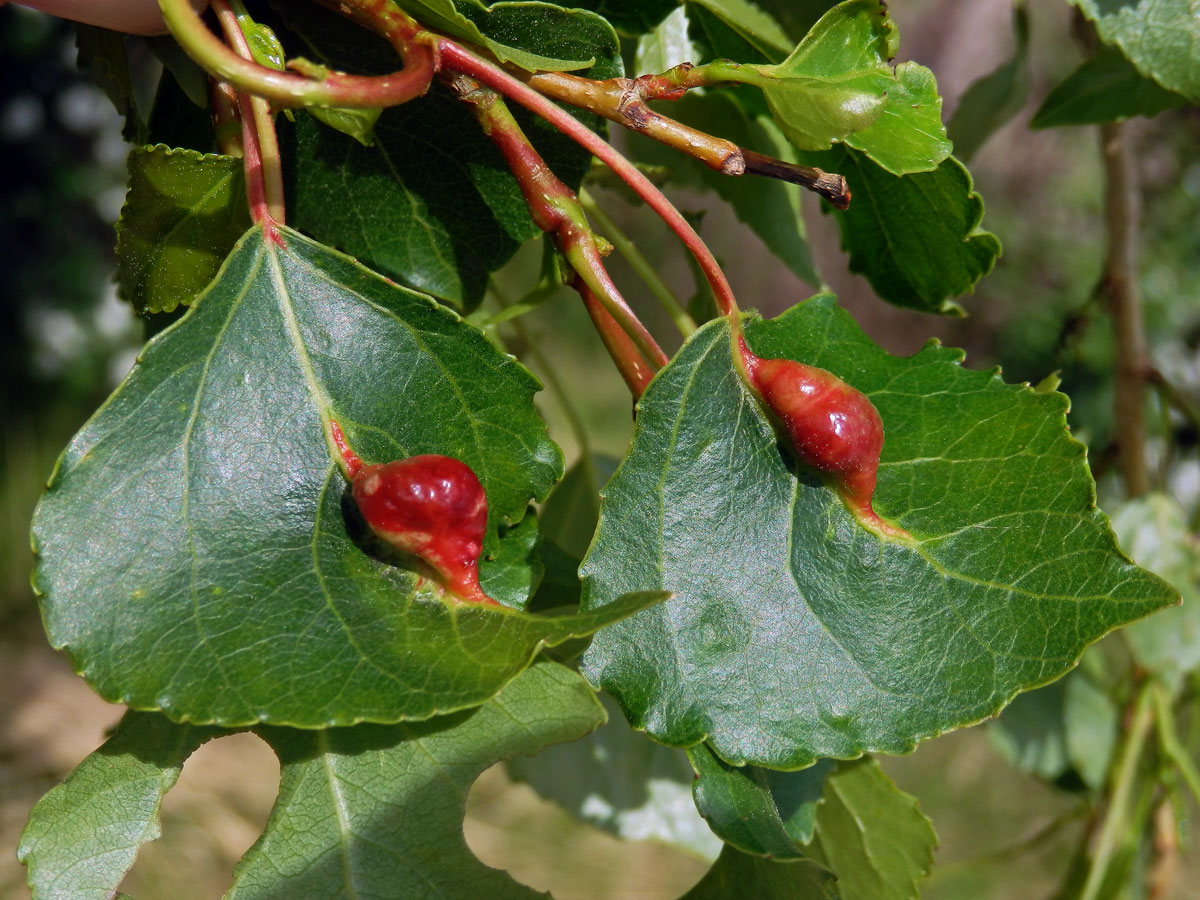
x=760, y=811
x=737, y=874
x=232, y=582
x=795, y=633
x=1154, y=531
x=183, y=214
x=84, y=835
x=916, y=239
x=872, y=835
x=770, y=208
x=837, y=86
x=1105, y=88
x=377, y=811
x=432, y=203
x=994, y=99
x=1160, y=37
x=621, y=781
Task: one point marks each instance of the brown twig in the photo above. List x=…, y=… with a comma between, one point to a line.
x=1122, y=213
x=623, y=100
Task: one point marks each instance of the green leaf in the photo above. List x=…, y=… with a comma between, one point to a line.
x=631, y=16
x=737, y=874
x=1031, y=733
x=992, y=100
x=665, y=46
x=916, y=239
x=1154, y=531
x=1160, y=37
x=750, y=23
x=837, y=86
x=183, y=214
x=759, y=811
x=516, y=571
x=1105, y=88
x=231, y=582
x=498, y=27
x=102, y=54
x=795, y=633
x=377, y=811
x=770, y=208
x=188, y=76
x=358, y=123
x=621, y=781
x=872, y=835
x=432, y=204
x=83, y=836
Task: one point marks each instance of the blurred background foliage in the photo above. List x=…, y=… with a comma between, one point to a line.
x=67, y=340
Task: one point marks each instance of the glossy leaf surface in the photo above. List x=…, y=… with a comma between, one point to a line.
x=232, y=582
x=1160, y=37
x=83, y=836
x=377, y=811
x=183, y=214
x=916, y=239
x=431, y=203
x=795, y=633
x=838, y=86
x=1105, y=88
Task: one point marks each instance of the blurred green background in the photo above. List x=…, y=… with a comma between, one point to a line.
x=67, y=341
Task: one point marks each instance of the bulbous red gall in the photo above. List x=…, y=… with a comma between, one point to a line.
x=832, y=427
x=430, y=506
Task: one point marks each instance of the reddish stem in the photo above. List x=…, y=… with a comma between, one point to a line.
x=629, y=361
x=457, y=58
x=352, y=463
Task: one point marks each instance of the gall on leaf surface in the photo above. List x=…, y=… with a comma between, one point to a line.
x=795, y=633
x=230, y=581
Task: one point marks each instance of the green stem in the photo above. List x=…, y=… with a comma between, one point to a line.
x=1172, y=747
x=258, y=110
x=289, y=89
x=1116, y=819
x=638, y=262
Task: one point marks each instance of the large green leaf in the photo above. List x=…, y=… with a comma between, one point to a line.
x=737, y=874
x=796, y=633
x=750, y=23
x=872, y=835
x=770, y=208
x=1105, y=88
x=837, y=86
x=665, y=46
x=183, y=214
x=84, y=835
x=432, y=202
x=1160, y=37
x=377, y=811
x=916, y=239
x=759, y=811
x=228, y=583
